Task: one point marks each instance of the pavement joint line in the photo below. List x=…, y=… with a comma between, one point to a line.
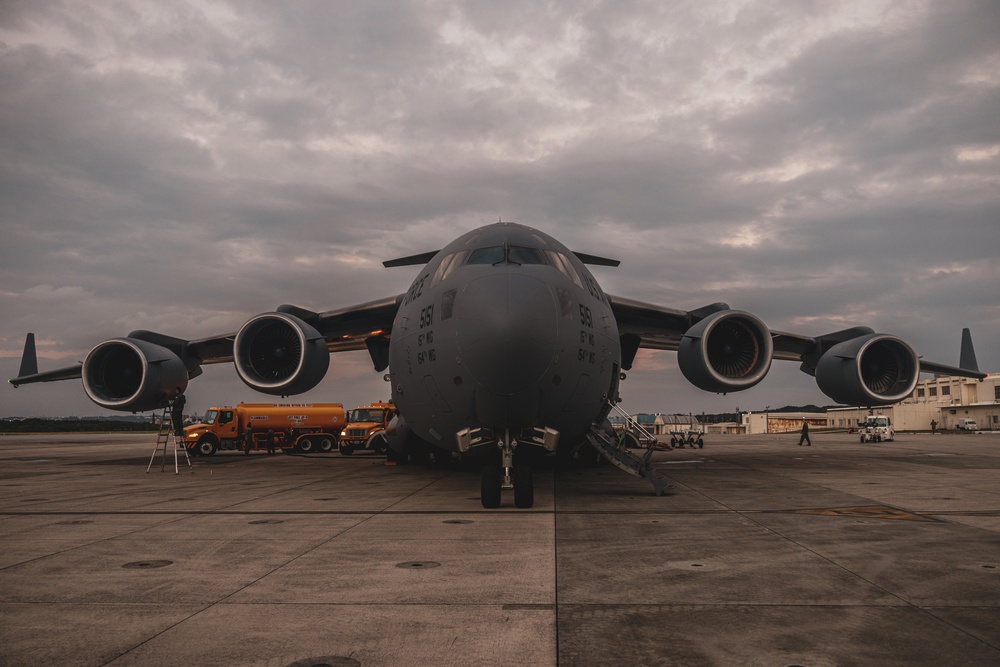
x=222, y=600
x=906, y=603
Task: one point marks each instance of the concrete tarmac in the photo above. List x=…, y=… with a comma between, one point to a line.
x=766, y=554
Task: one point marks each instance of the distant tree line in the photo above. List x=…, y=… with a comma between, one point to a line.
x=38, y=425
x=730, y=417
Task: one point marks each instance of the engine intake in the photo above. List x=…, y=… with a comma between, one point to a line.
x=877, y=369
x=727, y=351
x=132, y=374
x=277, y=353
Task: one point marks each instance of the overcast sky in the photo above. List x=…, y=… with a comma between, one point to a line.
x=182, y=166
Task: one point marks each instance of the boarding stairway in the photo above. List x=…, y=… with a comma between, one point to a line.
x=614, y=450
x=163, y=438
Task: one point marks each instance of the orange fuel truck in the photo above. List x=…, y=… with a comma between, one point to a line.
x=366, y=428
x=301, y=427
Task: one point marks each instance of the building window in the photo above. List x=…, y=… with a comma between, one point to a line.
x=932, y=391
x=946, y=391
x=920, y=392
x=996, y=392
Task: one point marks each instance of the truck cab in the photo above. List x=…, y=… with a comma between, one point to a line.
x=218, y=429
x=967, y=425
x=876, y=429
x=366, y=427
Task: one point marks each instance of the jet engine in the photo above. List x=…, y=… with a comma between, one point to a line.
x=876, y=369
x=277, y=353
x=727, y=351
x=132, y=374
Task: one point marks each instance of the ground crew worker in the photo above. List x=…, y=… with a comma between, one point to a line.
x=177, y=414
x=805, y=434
x=933, y=426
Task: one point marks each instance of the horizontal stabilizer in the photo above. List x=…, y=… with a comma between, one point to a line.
x=412, y=260
x=596, y=260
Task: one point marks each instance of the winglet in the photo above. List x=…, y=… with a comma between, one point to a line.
x=29, y=361
x=967, y=357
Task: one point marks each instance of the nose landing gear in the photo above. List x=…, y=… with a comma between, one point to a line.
x=502, y=472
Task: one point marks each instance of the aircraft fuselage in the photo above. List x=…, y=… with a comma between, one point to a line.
x=503, y=331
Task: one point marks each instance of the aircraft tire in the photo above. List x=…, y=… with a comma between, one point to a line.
x=524, y=487
x=701, y=443
x=492, y=479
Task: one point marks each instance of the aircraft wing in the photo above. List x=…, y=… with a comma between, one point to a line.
x=357, y=327
x=646, y=325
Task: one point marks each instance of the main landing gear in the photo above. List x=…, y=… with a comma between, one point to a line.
x=507, y=469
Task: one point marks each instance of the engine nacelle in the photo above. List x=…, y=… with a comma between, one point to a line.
x=727, y=351
x=133, y=375
x=277, y=353
x=877, y=369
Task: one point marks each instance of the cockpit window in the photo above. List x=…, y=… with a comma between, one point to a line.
x=522, y=255
x=447, y=265
x=490, y=255
x=564, y=265
x=510, y=254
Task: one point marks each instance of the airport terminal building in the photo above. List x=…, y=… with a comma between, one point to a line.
x=944, y=400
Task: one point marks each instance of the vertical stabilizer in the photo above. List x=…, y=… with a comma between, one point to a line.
x=967, y=358
x=29, y=362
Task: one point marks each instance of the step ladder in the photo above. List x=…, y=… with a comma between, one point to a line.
x=614, y=450
x=165, y=436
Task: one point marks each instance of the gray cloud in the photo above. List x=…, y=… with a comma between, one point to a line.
x=181, y=167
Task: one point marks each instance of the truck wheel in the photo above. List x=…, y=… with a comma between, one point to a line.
x=326, y=445
x=205, y=447
x=377, y=442
x=346, y=450
x=306, y=445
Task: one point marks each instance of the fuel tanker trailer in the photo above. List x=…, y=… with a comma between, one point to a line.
x=300, y=427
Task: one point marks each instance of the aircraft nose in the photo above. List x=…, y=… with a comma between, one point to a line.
x=507, y=333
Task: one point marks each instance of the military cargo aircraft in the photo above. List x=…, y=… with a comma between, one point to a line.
x=504, y=346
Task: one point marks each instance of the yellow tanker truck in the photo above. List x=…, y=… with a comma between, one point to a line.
x=300, y=427
x=365, y=429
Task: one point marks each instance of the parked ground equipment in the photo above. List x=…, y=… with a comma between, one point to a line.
x=300, y=427
x=365, y=429
x=689, y=437
x=876, y=429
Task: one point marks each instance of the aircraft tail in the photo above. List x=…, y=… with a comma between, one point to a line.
x=967, y=357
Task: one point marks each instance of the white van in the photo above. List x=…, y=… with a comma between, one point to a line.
x=967, y=425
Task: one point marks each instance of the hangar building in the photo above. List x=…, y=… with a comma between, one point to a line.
x=945, y=400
